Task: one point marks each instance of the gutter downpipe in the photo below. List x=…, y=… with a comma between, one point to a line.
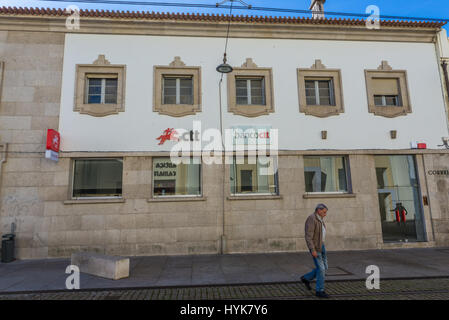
x=222, y=237
x=446, y=75
x=3, y=152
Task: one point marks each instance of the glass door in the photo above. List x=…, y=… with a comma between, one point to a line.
x=399, y=199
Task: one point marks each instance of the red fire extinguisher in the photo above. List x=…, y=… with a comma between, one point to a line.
x=400, y=212
x=398, y=216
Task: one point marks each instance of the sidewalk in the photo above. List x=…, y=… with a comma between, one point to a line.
x=198, y=270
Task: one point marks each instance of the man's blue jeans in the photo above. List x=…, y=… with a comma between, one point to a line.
x=320, y=270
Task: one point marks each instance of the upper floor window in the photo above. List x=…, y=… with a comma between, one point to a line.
x=383, y=100
x=177, y=89
x=320, y=91
x=250, y=90
x=100, y=88
x=387, y=91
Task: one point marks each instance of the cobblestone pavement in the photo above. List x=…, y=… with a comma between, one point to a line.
x=415, y=289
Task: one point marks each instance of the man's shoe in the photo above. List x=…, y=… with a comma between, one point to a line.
x=306, y=283
x=322, y=294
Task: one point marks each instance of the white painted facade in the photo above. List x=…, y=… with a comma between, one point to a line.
x=137, y=128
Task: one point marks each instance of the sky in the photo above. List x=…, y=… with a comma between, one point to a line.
x=408, y=8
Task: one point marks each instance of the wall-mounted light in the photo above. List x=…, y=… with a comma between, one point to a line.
x=324, y=134
x=393, y=134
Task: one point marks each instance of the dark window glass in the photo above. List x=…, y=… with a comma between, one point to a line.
x=250, y=91
x=94, y=92
x=101, y=90
x=97, y=178
x=254, y=175
x=257, y=92
x=390, y=101
x=94, y=99
x=319, y=92
x=246, y=176
x=241, y=91
x=326, y=174
x=170, y=179
x=177, y=90
x=186, y=91
x=378, y=100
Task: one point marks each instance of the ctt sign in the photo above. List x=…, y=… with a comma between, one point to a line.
x=251, y=135
x=53, y=142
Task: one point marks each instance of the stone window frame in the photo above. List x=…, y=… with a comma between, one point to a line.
x=385, y=71
x=177, y=68
x=250, y=69
x=319, y=71
x=99, y=68
x=73, y=199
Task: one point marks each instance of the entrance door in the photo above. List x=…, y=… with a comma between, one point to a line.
x=398, y=186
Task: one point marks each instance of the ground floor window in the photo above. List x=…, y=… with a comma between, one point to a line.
x=254, y=175
x=170, y=179
x=326, y=174
x=97, y=178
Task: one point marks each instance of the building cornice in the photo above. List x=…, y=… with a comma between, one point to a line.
x=112, y=154
x=201, y=25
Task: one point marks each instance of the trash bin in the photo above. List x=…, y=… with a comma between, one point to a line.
x=8, y=247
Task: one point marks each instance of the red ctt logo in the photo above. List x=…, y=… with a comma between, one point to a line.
x=53, y=140
x=169, y=134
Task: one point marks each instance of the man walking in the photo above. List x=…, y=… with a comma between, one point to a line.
x=315, y=234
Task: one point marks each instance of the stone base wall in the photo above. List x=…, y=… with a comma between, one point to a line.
x=136, y=226
x=51, y=225
x=438, y=185
x=29, y=106
x=278, y=225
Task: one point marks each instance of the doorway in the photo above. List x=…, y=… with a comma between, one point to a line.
x=399, y=197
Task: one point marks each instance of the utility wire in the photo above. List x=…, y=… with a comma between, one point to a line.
x=267, y=9
x=229, y=27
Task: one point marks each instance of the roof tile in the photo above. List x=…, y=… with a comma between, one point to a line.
x=142, y=15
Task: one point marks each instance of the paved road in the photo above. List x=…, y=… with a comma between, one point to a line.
x=412, y=289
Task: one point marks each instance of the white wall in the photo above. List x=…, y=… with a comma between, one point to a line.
x=137, y=128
